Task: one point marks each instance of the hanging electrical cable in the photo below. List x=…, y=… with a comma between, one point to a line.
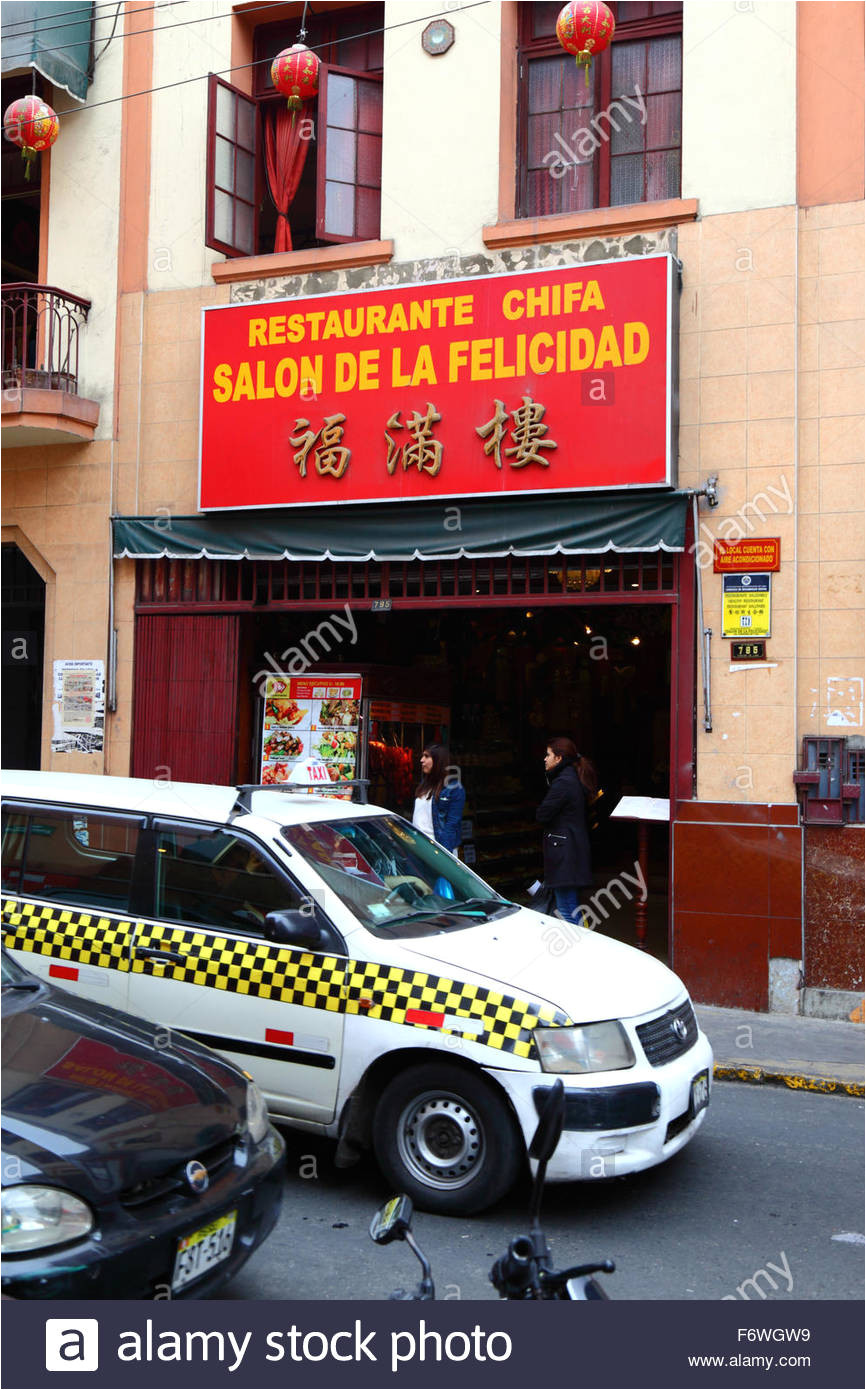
x=241, y=67
x=15, y=28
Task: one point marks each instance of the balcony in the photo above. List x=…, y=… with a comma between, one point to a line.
x=41, y=404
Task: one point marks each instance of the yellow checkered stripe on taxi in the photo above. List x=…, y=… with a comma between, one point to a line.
x=449, y=1006
x=243, y=965
x=66, y=933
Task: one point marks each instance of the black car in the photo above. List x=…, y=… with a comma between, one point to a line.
x=136, y=1163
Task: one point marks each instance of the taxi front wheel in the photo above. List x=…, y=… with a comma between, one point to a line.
x=444, y=1136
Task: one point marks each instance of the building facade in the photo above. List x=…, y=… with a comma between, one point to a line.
x=173, y=528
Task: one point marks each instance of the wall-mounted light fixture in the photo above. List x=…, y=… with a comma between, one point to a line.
x=437, y=37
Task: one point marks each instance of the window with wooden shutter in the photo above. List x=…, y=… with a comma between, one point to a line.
x=614, y=142
x=338, y=197
x=232, y=170
x=348, y=191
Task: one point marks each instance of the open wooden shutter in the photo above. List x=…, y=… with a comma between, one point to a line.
x=349, y=174
x=231, y=205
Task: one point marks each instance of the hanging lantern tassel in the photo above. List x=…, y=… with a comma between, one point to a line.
x=28, y=154
x=583, y=60
x=585, y=29
x=30, y=124
x=295, y=73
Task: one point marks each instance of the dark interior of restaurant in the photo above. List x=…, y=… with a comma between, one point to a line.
x=510, y=678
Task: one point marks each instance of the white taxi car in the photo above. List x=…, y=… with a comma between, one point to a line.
x=377, y=989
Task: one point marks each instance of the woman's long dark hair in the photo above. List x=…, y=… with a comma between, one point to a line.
x=565, y=749
x=434, y=781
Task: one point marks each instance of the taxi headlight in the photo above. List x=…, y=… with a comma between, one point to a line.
x=257, y=1113
x=594, y=1047
x=35, y=1218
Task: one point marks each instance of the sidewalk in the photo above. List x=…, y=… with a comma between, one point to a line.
x=811, y=1054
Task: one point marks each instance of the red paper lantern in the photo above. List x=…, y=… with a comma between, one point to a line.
x=295, y=73
x=30, y=123
x=585, y=28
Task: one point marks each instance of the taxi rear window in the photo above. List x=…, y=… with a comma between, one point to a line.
x=74, y=858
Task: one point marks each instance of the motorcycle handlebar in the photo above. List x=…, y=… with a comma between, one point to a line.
x=513, y=1274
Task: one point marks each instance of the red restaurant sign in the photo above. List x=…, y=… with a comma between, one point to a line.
x=547, y=380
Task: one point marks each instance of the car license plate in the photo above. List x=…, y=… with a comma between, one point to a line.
x=700, y=1095
x=202, y=1249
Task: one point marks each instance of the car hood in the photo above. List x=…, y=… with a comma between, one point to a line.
x=588, y=976
x=98, y=1102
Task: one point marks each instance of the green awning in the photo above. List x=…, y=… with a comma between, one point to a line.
x=537, y=525
x=52, y=36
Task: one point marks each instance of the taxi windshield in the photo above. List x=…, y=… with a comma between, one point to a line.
x=396, y=881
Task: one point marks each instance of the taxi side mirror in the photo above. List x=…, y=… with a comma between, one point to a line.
x=291, y=927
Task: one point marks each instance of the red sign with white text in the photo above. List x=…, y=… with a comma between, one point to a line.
x=546, y=380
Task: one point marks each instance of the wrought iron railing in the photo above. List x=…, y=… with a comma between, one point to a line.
x=40, y=336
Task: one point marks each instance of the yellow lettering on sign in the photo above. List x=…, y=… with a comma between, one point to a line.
x=286, y=377
x=464, y=310
x=592, y=299
x=398, y=323
x=368, y=370
x=263, y=391
x=420, y=315
x=458, y=355
x=608, y=353
x=537, y=363
x=244, y=389
x=480, y=361
x=512, y=305
x=345, y=371
x=222, y=377
x=636, y=343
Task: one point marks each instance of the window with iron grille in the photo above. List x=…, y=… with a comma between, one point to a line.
x=339, y=193
x=616, y=141
x=188, y=585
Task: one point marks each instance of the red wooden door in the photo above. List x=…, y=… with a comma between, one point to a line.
x=185, y=700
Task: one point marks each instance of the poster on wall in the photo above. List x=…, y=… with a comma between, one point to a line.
x=311, y=717
x=78, y=707
x=746, y=605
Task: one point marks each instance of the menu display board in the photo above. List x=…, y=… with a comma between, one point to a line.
x=311, y=716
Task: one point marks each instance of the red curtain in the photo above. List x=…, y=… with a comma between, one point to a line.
x=285, y=152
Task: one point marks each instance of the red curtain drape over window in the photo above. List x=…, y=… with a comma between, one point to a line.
x=285, y=152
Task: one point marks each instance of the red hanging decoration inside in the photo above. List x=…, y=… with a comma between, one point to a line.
x=585, y=28
x=295, y=73
x=31, y=124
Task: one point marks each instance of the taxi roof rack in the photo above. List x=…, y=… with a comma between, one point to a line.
x=243, y=803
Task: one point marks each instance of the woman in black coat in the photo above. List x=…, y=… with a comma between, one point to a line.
x=567, y=866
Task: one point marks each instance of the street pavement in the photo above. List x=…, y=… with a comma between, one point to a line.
x=806, y=1054
x=773, y=1181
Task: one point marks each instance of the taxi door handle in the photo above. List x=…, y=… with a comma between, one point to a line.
x=155, y=953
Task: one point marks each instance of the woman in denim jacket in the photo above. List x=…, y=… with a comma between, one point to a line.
x=439, y=802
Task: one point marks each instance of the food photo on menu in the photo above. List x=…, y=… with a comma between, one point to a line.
x=284, y=745
x=339, y=714
x=335, y=743
x=310, y=718
x=284, y=712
